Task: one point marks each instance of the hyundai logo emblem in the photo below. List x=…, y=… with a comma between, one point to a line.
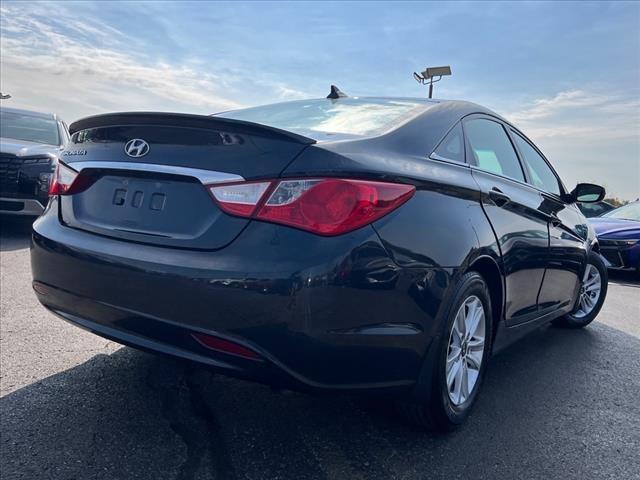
x=136, y=147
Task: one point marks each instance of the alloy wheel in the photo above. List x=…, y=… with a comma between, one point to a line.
x=589, y=291
x=466, y=350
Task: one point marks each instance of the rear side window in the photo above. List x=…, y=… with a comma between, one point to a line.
x=491, y=148
x=541, y=174
x=452, y=146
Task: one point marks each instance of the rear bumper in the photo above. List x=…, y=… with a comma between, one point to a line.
x=322, y=313
x=20, y=206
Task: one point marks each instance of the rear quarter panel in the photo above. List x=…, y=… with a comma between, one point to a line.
x=442, y=226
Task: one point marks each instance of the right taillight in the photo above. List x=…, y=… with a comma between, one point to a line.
x=325, y=206
x=66, y=181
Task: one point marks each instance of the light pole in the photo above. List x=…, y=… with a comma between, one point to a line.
x=428, y=77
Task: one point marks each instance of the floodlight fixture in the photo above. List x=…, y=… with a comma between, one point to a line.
x=428, y=76
x=431, y=72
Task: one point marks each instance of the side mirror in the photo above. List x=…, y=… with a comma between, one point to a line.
x=587, y=193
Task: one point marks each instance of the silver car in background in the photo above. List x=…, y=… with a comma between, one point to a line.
x=29, y=146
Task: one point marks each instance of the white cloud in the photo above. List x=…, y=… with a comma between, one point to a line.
x=580, y=115
x=288, y=93
x=546, y=107
x=53, y=61
x=589, y=136
x=39, y=48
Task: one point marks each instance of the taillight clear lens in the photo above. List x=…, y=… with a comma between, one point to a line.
x=326, y=206
x=62, y=180
x=332, y=206
x=239, y=199
x=66, y=181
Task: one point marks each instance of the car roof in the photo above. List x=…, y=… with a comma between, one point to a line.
x=30, y=113
x=426, y=101
x=462, y=106
x=459, y=108
x=437, y=110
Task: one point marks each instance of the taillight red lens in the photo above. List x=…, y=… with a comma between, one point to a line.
x=328, y=206
x=332, y=206
x=66, y=181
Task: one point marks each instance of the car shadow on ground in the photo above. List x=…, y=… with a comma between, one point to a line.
x=627, y=278
x=15, y=232
x=558, y=404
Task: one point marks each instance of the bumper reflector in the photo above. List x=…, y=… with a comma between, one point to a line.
x=41, y=288
x=225, y=346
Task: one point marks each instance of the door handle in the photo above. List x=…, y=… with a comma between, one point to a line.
x=499, y=198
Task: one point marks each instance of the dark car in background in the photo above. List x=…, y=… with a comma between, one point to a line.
x=618, y=234
x=29, y=146
x=595, y=209
x=374, y=245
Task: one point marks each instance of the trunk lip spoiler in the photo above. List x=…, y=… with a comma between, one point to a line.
x=186, y=120
x=206, y=177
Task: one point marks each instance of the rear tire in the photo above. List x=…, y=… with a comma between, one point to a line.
x=593, y=291
x=462, y=352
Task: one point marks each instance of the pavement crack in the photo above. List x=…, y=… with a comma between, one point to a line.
x=190, y=418
x=222, y=465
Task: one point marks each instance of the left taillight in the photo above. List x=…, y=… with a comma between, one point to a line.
x=324, y=206
x=66, y=181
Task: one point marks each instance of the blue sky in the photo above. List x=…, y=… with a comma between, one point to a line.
x=567, y=73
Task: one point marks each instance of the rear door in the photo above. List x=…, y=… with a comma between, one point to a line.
x=148, y=175
x=514, y=210
x=567, y=230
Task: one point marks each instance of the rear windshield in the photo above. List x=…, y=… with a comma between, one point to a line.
x=29, y=128
x=324, y=119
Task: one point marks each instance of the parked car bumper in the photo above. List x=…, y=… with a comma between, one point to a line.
x=20, y=206
x=620, y=255
x=24, y=185
x=336, y=315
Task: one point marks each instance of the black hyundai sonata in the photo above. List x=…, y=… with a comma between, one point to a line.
x=381, y=245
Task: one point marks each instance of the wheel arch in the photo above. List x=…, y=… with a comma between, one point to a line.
x=487, y=267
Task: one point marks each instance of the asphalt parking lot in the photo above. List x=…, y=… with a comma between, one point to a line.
x=559, y=404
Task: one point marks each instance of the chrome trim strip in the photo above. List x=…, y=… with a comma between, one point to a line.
x=206, y=177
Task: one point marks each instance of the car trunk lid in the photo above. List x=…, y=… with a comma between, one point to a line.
x=158, y=194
